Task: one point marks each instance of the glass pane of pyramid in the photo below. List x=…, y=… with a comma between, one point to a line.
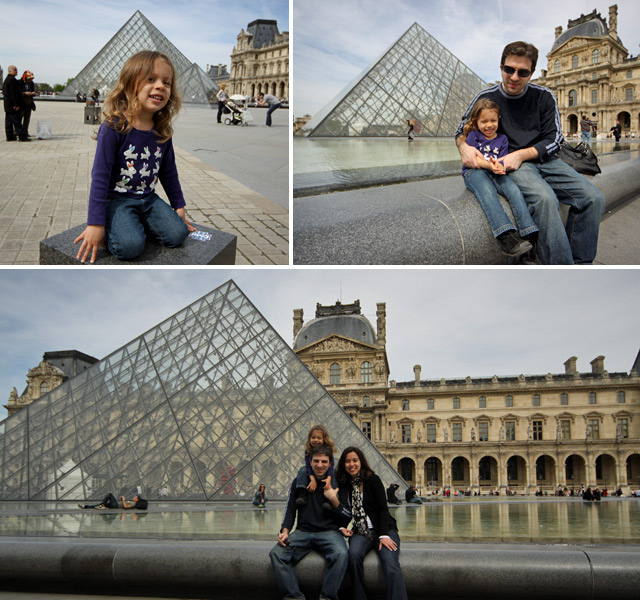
x=417, y=79
x=205, y=406
x=138, y=34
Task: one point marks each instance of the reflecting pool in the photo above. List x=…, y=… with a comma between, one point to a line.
x=566, y=520
x=329, y=164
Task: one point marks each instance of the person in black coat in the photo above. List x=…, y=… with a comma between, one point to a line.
x=362, y=497
x=13, y=104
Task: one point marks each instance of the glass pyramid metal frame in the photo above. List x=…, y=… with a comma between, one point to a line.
x=416, y=78
x=138, y=34
x=205, y=406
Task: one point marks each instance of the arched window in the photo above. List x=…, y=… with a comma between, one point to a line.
x=574, y=61
x=564, y=399
x=366, y=401
x=44, y=387
x=405, y=405
x=556, y=66
x=536, y=400
x=430, y=403
x=595, y=57
x=573, y=98
x=365, y=372
x=621, y=398
x=482, y=402
x=334, y=373
x=592, y=398
x=456, y=403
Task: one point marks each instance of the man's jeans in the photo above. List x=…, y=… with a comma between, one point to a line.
x=586, y=137
x=359, y=547
x=543, y=186
x=485, y=186
x=330, y=544
x=271, y=109
x=128, y=219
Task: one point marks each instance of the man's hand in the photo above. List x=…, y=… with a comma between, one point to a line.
x=92, y=237
x=469, y=155
x=513, y=160
x=283, y=537
x=331, y=495
x=346, y=532
x=496, y=166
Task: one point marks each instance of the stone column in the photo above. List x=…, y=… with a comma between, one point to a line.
x=297, y=321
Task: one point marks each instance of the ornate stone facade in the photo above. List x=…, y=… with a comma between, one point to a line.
x=260, y=61
x=492, y=434
x=592, y=73
x=54, y=369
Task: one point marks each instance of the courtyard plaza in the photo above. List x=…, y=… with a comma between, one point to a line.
x=234, y=179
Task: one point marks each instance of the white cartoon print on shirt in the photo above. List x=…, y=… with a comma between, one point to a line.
x=129, y=153
x=144, y=172
x=121, y=186
x=146, y=154
x=487, y=151
x=130, y=171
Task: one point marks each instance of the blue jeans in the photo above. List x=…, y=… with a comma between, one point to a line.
x=330, y=544
x=271, y=109
x=128, y=220
x=485, y=186
x=359, y=547
x=586, y=137
x=546, y=184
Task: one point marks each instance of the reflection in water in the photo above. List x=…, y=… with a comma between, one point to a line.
x=353, y=162
x=464, y=520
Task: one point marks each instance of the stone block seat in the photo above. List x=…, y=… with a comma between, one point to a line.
x=207, y=247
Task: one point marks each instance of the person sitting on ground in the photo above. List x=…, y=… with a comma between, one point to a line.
x=410, y=495
x=110, y=501
x=260, y=497
x=391, y=494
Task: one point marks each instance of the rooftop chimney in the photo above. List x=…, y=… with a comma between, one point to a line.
x=416, y=370
x=570, y=365
x=597, y=364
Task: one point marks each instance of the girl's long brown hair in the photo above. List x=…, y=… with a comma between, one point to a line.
x=327, y=438
x=478, y=107
x=122, y=105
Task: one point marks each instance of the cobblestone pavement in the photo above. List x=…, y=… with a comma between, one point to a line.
x=44, y=190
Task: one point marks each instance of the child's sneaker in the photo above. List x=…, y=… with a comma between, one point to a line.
x=512, y=244
x=301, y=496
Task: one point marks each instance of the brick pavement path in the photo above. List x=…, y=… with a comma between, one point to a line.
x=44, y=190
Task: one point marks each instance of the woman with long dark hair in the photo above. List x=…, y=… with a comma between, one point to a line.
x=362, y=494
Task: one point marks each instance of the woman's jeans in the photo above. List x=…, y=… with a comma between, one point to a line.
x=485, y=186
x=543, y=186
x=129, y=220
x=359, y=547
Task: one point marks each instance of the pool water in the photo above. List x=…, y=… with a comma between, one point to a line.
x=330, y=164
x=518, y=520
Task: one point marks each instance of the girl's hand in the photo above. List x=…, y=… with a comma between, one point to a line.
x=497, y=167
x=327, y=483
x=183, y=216
x=312, y=484
x=92, y=237
x=388, y=543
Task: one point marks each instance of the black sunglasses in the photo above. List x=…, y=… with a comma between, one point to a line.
x=521, y=72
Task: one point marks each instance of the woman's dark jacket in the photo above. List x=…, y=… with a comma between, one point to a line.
x=374, y=502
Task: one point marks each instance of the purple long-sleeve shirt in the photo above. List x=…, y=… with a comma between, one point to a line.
x=131, y=165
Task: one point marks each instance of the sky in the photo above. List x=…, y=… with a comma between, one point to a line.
x=55, y=39
x=453, y=322
x=333, y=40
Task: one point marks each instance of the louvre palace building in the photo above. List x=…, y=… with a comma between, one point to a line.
x=592, y=73
x=495, y=434
x=260, y=61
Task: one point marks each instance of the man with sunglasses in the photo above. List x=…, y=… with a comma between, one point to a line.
x=529, y=118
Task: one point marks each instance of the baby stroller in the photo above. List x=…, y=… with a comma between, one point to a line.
x=239, y=115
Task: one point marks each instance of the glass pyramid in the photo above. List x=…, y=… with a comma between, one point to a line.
x=138, y=34
x=205, y=406
x=417, y=79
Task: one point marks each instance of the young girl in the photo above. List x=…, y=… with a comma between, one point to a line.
x=318, y=436
x=134, y=152
x=481, y=130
